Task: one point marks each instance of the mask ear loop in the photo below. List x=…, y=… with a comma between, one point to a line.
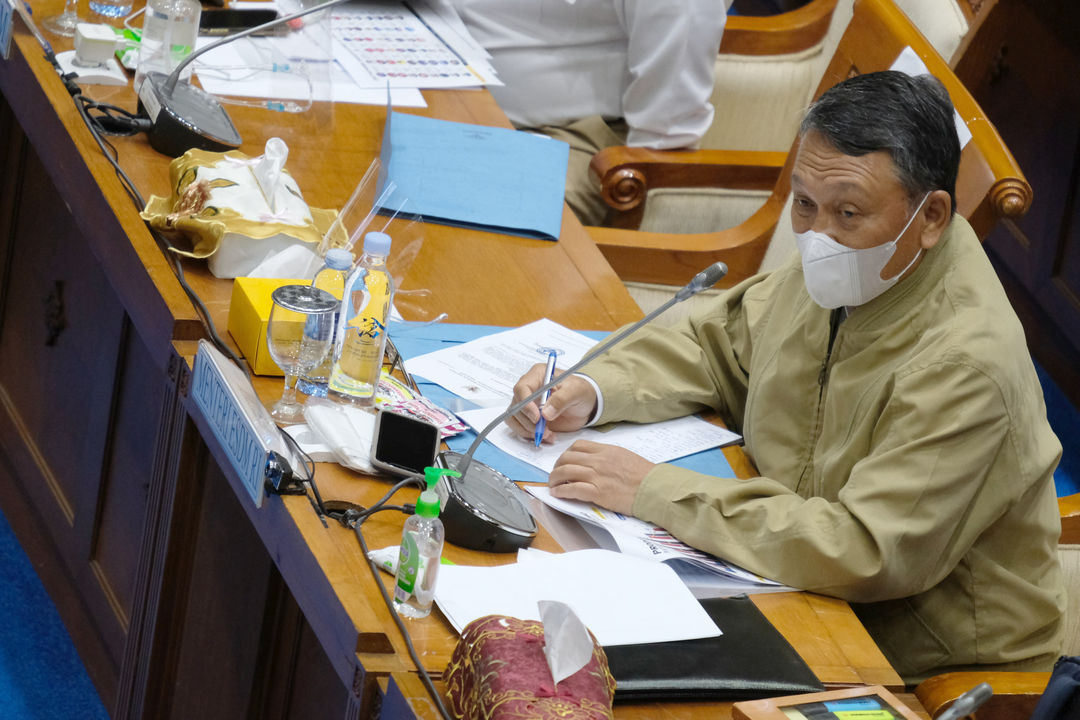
x=897, y=241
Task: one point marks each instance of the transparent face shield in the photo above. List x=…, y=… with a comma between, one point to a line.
x=375, y=207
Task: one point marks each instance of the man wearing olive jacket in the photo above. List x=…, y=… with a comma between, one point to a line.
x=885, y=393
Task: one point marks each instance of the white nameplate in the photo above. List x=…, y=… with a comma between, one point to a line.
x=236, y=417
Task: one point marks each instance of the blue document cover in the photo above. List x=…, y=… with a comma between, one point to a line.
x=473, y=175
x=415, y=339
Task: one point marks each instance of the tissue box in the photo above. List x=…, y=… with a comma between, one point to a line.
x=249, y=312
x=498, y=672
x=220, y=207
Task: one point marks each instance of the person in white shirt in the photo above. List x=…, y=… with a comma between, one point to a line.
x=598, y=73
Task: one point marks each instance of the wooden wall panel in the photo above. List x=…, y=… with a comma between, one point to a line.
x=115, y=530
x=62, y=325
x=82, y=407
x=224, y=604
x=1023, y=66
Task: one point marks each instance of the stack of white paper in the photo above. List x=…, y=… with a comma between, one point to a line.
x=621, y=599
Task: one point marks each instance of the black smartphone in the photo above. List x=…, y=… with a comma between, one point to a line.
x=402, y=445
x=230, y=20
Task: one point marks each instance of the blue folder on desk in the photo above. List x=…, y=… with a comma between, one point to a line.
x=474, y=176
x=415, y=339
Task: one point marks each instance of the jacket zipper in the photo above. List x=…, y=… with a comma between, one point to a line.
x=823, y=376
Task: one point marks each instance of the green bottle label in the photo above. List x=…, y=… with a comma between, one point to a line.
x=408, y=568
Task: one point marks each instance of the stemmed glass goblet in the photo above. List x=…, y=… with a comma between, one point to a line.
x=299, y=334
x=64, y=23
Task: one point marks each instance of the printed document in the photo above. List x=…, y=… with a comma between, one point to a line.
x=484, y=370
x=372, y=45
x=658, y=442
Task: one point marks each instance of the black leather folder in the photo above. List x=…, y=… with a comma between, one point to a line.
x=751, y=660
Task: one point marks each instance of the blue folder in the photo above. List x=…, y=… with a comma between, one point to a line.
x=457, y=174
x=415, y=339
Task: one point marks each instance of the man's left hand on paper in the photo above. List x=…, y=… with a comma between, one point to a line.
x=605, y=475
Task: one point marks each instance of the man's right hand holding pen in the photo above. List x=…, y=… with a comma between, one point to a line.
x=594, y=472
x=569, y=407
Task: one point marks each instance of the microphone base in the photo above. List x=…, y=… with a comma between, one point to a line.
x=186, y=118
x=484, y=509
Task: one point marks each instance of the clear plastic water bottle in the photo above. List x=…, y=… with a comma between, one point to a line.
x=361, y=334
x=331, y=277
x=421, y=552
x=170, y=28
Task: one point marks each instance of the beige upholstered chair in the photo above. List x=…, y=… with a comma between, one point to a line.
x=1015, y=693
x=990, y=184
x=768, y=68
x=767, y=72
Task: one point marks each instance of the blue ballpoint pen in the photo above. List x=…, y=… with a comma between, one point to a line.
x=549, y=373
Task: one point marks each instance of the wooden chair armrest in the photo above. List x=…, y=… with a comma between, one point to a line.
x=626, y=174
x=673, y=259
x=787, y=32
x=1070, y=519
x=1009, y=197
x=1015, y=693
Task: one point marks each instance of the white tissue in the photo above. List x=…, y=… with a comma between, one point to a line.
x=267, y=170
x=282, y=257
x=567, y=644
x=347, y=431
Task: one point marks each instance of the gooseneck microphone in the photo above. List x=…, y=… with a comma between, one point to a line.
x=183, y=116
x=483, y=510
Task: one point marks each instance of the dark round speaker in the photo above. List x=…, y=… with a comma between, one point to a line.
x=483, y=509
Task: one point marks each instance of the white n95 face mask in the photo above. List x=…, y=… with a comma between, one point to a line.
x=836, y=275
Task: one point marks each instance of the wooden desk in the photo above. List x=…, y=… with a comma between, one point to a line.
x=182, y=598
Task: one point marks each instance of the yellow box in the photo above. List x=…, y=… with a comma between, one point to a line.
x=249, y=313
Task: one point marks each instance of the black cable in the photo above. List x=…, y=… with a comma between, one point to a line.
x=407, y=509
x=167, y=248
x=424, y=676
x=111, y=119
x=415, y=480
x=309, y=482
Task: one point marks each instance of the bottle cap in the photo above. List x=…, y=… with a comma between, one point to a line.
x=377, y=243
x=428, y=504
x=338, y=259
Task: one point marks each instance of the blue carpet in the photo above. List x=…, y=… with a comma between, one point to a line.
x=41, y=676
x=1065, y=420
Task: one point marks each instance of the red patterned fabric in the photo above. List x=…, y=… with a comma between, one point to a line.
x=498, y=672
